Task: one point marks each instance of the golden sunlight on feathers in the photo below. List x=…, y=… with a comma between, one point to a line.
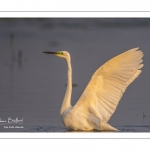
x=109, y=82
x=102, y=94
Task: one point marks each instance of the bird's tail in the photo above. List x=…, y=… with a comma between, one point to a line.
x=106, y=127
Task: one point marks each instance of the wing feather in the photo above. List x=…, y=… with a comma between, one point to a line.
x=109, y=82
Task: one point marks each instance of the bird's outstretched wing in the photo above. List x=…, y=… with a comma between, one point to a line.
x=109, y=82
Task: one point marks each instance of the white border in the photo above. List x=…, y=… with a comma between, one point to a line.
x=75, y=135
x=74, y=14
x=76, y=5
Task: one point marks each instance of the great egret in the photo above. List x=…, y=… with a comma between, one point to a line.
x=102, y=94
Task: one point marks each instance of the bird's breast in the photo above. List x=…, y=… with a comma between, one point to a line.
x=76, y=120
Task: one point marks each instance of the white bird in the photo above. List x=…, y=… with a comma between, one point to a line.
x=102, y=94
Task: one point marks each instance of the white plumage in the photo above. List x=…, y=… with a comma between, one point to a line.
x=102, y=94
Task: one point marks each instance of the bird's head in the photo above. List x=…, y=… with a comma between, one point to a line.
x=62, y=54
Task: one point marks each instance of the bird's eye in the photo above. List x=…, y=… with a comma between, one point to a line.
x=61, y=53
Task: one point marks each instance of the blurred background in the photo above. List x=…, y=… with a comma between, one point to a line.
x=33, y=84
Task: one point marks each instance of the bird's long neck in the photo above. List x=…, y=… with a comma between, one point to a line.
x=67, y=99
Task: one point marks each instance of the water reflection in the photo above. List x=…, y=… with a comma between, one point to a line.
x=12, y=61
x=20, y=56
x=13, y=55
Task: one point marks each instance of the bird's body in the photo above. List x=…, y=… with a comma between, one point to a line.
x=102, y=94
